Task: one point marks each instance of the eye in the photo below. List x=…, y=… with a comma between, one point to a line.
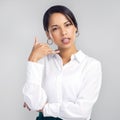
x=54, y=29
x=68, y=24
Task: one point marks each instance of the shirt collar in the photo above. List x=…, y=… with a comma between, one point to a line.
x=79, y=56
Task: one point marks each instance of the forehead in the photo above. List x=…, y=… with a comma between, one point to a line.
x=57, y=18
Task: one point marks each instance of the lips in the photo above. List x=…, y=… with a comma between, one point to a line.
x=65, y=40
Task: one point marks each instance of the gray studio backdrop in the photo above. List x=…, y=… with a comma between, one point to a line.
x=21, y=21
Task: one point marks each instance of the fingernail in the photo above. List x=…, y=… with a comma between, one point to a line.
x=58, y=51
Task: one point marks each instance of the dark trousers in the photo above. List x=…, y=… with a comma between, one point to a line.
x=41, y=117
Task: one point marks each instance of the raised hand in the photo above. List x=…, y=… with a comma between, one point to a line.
x=40, y=50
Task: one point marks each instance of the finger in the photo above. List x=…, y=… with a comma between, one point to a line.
x=39, y=110
x=28, y=108
x=42, y=45
x=24, y=105
x=55, y=51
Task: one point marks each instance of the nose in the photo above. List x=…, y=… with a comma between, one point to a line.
x=63, y=31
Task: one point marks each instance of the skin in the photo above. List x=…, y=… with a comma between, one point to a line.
x=59, y=28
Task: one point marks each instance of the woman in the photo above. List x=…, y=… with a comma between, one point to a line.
x=63, y=83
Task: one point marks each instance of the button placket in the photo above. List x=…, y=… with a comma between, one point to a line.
x=59, y=78
x=59, y=87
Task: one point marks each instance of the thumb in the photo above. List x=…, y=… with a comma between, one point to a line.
x=36, y=41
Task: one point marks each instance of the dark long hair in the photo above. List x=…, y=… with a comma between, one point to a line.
x=58, y=9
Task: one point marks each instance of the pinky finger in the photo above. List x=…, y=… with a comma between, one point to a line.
x=56, y=51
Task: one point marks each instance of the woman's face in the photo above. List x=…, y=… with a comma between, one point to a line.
x=61, y=31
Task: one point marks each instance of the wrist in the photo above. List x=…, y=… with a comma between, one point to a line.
x=32, y=59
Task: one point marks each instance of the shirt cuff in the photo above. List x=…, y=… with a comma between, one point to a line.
x=51, y=109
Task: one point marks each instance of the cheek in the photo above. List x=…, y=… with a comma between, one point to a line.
x=72, y=32
x=54, y=37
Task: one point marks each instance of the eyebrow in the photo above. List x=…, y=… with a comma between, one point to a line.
x=57, y=25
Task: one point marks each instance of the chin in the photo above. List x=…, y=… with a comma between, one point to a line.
x=65, y=47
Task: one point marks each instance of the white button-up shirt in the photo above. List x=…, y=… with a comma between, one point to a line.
x=68, y=91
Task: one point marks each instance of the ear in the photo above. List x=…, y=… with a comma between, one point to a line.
x=48, y=35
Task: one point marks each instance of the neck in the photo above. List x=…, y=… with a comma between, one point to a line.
x=66, y=54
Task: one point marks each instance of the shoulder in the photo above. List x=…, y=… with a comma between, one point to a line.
x=82, y=56
x=93, y=64
x=90, y=61
x=93, y=60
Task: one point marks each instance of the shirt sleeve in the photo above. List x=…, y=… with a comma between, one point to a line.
x=34, y=95
x=82, y=107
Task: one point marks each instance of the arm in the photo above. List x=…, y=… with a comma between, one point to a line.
x=34, y=95
x=81, y=108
